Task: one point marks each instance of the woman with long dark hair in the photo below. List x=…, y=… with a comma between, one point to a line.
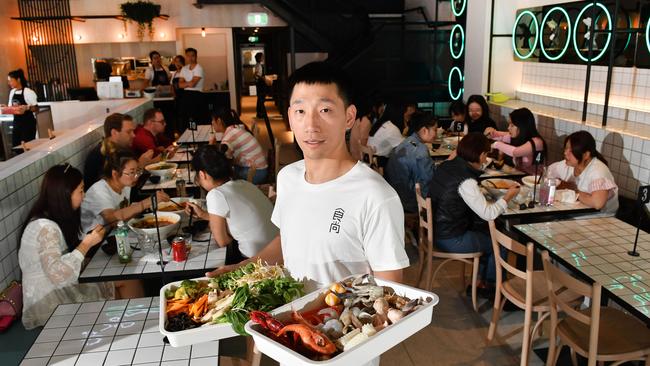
x=240, y=145
x=51, y=254
x=585, y=170
x=478, y=115
x=521, y=141
x=25, y=101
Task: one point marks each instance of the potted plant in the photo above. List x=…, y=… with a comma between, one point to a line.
x=141, y=12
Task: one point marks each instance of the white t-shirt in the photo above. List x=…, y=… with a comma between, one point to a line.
x=29, y=95
x=350, y=225
x=248, y=214
x=100, y=196
x=595, y=177
x=188, y=75
x=387, y=137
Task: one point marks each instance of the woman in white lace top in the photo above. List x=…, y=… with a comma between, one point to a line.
x=50, y=253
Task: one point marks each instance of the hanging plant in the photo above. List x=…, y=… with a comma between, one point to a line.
x=143, y=13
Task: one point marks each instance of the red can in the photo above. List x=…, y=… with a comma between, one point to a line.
x=179, y=249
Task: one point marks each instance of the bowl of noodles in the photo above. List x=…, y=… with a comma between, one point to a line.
x=168, y=223
x=163, y=169
x=497, y=187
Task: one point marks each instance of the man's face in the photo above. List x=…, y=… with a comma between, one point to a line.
x=159, y=123
x=155, y=60
x=124, y=138
x=319, y=119
x=190, y=57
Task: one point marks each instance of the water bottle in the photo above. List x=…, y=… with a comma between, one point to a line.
x=122, y=240
x=547, y=191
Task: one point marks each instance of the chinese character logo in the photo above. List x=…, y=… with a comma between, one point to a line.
x=335, y=226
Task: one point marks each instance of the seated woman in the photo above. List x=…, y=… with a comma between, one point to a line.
x=411, y=163
x=241, y=145
x=521, y=141
x=477, y=116
x=461, y=210
x=238, y=212
x=585, y=170
x=51, y=255
x=385, y=134
x=107, y=201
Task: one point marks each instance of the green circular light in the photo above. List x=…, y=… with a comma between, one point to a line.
x=451, y=41
x=514, y=34
x=568, y=40
x=647, y=35
x=462, y=8
x=575, y=32
x=460, y=77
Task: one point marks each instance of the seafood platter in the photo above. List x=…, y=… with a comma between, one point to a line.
x=208, y=309
x=351, y=322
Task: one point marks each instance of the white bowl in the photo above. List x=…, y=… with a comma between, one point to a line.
x=497, y=192
x=173, y=208
x=165, y=230
x=529, y=180
x=164, y=170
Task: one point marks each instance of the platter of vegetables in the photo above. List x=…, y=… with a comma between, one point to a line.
x=350, y=322
x=206, y=309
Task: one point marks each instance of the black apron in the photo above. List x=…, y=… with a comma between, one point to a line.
x=24, y=124
x=160, y=77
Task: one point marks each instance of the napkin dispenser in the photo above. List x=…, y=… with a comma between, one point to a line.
x=110, y=90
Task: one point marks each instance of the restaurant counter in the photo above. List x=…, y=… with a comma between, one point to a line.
x=21, y=176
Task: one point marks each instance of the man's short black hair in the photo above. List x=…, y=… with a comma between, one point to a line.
x=152, y=54
x=190, y=49
x=258, y=56
x=323, y=72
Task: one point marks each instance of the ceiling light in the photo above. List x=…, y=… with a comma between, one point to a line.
x=203, y=32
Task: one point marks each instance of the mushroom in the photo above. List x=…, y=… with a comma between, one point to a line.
x=395, y=315
x=381, y=306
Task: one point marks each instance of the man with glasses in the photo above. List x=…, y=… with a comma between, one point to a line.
x=150, y=135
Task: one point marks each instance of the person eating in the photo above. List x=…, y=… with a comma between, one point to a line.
x=107, y=201
x=585, y=171
x=150, y=136
x=521, y=142
x=478, y=115
x=238, y=212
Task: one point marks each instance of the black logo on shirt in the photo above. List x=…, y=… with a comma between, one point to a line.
x=335, y=226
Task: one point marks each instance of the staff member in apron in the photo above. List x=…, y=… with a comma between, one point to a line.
x=157, y=74
x=25, y=98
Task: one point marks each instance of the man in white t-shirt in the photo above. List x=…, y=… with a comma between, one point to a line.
x=191, y=78
x=336, y=216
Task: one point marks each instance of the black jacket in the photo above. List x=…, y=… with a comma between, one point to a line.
x=452, y=215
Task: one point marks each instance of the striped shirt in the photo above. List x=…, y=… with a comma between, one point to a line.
x=243, y=147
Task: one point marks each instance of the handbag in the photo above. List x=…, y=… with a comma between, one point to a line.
x=11, y=304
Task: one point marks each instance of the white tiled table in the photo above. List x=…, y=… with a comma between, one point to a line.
x=117, y=332
x=202, y=257
x=183, y=155
x=505, y=172
x=598, y=248
x=181, y=173
x=201, y=135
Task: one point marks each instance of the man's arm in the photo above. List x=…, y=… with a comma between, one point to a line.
x=394, y=275
x=272, y=254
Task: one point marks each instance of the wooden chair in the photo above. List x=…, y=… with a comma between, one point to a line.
x=601, y=334
x=525, y=289
x=428, y=251
x=281, y=139
x=368, y=157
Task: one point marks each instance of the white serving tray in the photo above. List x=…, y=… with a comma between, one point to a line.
x=360, y=354
x=205, y=333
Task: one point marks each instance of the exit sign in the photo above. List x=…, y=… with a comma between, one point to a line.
x=258, y=19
